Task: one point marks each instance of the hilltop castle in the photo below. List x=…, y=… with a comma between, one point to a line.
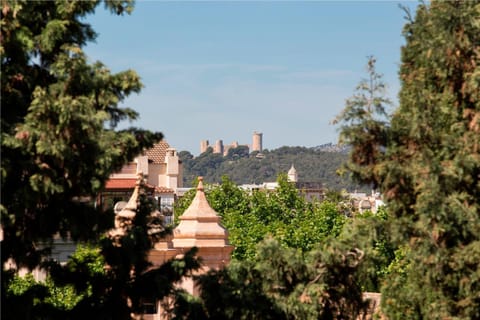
x=219, y=147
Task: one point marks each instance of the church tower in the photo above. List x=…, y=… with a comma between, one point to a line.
x=292, y=174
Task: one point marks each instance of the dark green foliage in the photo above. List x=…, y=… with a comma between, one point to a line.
x=430, y=167
x=364, y=126
x=55, y=148
x=237, y=153
x=370, y=232
x=434, y=162
x=311, y=164
x=283, y=283
x=108, y=282
x=59, y=146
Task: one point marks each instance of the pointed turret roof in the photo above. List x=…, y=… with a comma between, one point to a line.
x=292, y=174
x=200, y=224
x=125, y=217
x=292, y=170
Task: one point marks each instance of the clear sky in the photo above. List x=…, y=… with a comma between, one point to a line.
x=221, y=70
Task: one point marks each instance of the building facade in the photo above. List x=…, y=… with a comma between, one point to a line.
x=162, y=170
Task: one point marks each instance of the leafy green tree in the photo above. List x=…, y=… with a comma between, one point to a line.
x=370, y=233
x=429, y=168
x=50, y=298
x=282, y=214
x=59, y=146
x=237, y=153
x=314, y=225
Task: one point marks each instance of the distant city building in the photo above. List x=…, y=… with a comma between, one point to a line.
x=364, y=202
x=163, y=172
x=311, y=191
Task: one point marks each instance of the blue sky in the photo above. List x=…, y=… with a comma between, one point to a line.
x=221, y=70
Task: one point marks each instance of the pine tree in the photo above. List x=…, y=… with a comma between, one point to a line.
x=59, y=146
x=364, y=126
x=431, y=178
x=430, y=168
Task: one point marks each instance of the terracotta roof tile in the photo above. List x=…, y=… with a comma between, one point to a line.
x=116, y=183
x=161, y=189
x=157, y=153
x=120, y=184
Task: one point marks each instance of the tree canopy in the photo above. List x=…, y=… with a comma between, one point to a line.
x=59, y=145
x=429, y=163
x=283, y=214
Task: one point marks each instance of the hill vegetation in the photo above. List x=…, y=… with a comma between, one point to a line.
x=312, y=165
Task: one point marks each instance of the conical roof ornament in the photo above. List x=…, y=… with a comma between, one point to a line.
x=200, y=209
x=200, y=224
x=292, y=170
x=125, y=217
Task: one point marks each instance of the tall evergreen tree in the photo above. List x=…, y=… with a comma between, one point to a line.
x=430, y=168
x=431, y=178
x=364, y=126
x=59, y=146
x=283, y=283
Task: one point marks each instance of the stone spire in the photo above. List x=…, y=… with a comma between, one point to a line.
x=125, y=217
x=200, y=225
x=292, y=174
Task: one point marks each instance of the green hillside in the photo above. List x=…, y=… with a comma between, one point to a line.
x=312, y=165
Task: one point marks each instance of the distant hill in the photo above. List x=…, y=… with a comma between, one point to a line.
x=330, y=147
x=317, y=164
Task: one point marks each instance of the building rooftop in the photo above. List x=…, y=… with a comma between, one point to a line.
x=157, y=153
x=128, y=184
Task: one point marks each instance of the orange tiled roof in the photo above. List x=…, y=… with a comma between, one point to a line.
x=113, y=184
x=157, y=152
x=161, y=189
x=120, y=184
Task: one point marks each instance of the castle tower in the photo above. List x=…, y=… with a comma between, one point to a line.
x=292, y=174
x=218, y=147
x=203, y=146
x=257, y=141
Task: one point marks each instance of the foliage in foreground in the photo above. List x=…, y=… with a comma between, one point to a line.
x=111, y=281
x=59, y=146
x=284, y=215
x=426, y=162
x=284, y=283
